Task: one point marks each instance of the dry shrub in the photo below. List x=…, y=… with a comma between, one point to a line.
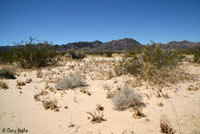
x=193, y=87
x=37, y=97
x=50, y=104
x=138, y=112
x=7, y=73
x=76, y=54
x=125, y=98
x=125, y=132
x=160, y=104
x=170, y=77
x=39, y=74
x=43, y=92
x=99, y=107
x=84, y=91
x=97, y=116
x=28, y=80
x=3, y=85
x=165, y=126
x=110, y=94
x=21, y=83
x=72, y=81
x=196, y=58
x=165, y=95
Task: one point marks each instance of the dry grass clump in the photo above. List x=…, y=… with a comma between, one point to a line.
x=50, y=104
x=3, y=85
x=109, y=93
x=72, y=81
x=7, y=73
x=165, y=95
x=28, y=80
x=125, y=98
x=21, y=83
x=165, y=126
x=97, y=116
x=37, y=97
x=138, y=113
x=43, y=92
x=160, y=104
x=99, y=107
x=192, y=88
x=158, y=95
x=39, y=74
x=84, y=91
x=71, y=125
x=125, y=132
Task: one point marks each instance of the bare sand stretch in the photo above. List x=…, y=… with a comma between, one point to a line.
x=21, y=106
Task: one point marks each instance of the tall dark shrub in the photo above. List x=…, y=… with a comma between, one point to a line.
x=35, y=54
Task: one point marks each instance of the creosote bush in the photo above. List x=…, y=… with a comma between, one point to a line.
x=148, y=62
x=71, y=81
x=76, y=54
x=35, y=54
x=108, y=53
x=126, y=98
x=6, y=57
x=197, y=56
x=7, y=73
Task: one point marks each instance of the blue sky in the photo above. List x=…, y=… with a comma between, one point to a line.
x=63, y=21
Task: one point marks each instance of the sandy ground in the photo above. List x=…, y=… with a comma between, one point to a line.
x=19, y=109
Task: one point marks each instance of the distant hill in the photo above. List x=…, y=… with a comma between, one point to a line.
x=114, y=45
x=182, y=45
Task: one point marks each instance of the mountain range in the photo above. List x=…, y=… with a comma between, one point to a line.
x=114, y=45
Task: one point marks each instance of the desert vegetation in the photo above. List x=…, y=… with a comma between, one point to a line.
x=125, y=98
x=3, y=85
x=149, y=61
x=71, y=81
x=101, y=92
x=76, y=54
x=35, y=54
x=7, y=73
x=165, y=126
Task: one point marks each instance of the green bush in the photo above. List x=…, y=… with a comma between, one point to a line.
x=6, y=57
x=35, y=55
x=150, y=60
x=197, y=56
x=76, y=54
x=108, y=53
x=7, y=73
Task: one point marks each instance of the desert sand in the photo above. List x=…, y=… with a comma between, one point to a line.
x=20, y=110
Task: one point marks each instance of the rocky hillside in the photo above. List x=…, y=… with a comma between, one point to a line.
x=182, y=45
x=114, y=45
